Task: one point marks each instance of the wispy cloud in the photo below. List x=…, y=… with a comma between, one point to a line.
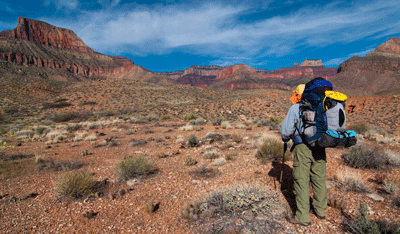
x=5, y=7
x=62, y=4
x=218, y=29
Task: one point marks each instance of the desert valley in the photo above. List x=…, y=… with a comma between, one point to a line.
x=92, y=143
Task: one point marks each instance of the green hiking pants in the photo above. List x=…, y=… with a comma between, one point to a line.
x=309, y=166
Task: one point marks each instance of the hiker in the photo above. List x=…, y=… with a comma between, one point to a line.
x=309, y=165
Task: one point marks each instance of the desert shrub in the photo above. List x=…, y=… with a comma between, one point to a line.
x=219, y=162
x=360, y=156
x=133, y=167
x=270, y=150
x=390, y=186
x=337, y=202
x=137, y=142
x=349, y=181
x=12, y=157
x=193, y=141
x=76, y=116
x=360, y=127
x=73, y=127
x=190, y=161
x=216, y=122
x=76, y=184
x=165, y=117
x=49, y=165
x=60, y=104
x=40, y=130
x=258, y=207
x=151, y=118
x=362, y=224
x=189, y=116
x=211, y=154
x=396, y=200
x=204, y=172
x=226, y=125
x=273, y=123
x=198, y=121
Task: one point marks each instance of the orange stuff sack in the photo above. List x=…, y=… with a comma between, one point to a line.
x=296, y=98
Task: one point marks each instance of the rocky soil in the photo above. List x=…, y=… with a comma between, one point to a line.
x=30, y=204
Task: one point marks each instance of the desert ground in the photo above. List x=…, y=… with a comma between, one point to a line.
x=200, y=143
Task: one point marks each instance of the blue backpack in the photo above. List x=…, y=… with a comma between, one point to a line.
x=323, y=115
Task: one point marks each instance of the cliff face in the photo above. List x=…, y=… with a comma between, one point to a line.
x=376, y=73
x=45, y=34
x=241, y=76
x=311, y=63
x=36, y=43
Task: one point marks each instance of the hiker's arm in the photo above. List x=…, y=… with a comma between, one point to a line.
x=289, y=124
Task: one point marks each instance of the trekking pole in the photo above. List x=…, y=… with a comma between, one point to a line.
x=283, y=161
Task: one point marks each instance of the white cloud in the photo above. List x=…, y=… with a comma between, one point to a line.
x=217, y=29
x=62, y=4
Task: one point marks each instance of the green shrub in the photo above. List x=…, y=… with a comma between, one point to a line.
x=76, y=184
x=198, y=121
x=360, y=127
x=193, y=141
x=362, y=224
x=271, y=150
x=359, y=156
x=190, y=116
x=132, y=167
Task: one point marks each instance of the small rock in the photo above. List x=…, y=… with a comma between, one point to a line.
x=375, y=197
x=131, y=182
x=122, y=192
x=90, y=214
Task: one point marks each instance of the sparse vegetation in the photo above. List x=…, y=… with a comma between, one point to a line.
x=190, y=116
x=190, y=161
x=270, y=150
x=362, y=224
x=133, y=167
x=259, y=208
x=360, y=156
x=347, y=181
x=193, y=141
x=76, y=184
x=205, y=172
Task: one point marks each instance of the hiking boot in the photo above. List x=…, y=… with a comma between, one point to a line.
x=293, y=220
x=321, y=217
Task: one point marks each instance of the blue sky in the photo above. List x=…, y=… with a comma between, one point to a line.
x=169, y=35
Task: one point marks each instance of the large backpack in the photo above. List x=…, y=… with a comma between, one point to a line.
x=324, y=117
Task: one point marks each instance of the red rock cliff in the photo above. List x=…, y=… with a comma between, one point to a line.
x=392, y=45
x=45, y=34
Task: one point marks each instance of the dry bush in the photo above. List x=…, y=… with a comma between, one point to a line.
x=190, y=161
x=346, y=181
x=360, y=127
x=211, y=154
x=271, y=150
x=193, y=141
x=205, y=172
x=390, y=186
x=360, y=156
x=259, y=210
x=133, y=167
x=76, y=184
x=219, y=162
x=362, y=224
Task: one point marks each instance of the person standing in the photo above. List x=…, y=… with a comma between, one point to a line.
x=309, y=165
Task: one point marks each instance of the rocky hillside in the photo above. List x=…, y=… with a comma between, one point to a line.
x=36, y=43
x=242, y=77
x=376, y=73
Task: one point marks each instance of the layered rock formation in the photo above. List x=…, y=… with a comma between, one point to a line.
x=45, y=34
x=36, y=43
x=311, y=63
x=376, y=73
x=241, y=76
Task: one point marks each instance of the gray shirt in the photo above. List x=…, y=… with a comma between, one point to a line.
x=292, y=120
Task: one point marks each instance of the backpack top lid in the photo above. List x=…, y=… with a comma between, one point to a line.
x=314, y=91
x=333, y=96
x=318, y=86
